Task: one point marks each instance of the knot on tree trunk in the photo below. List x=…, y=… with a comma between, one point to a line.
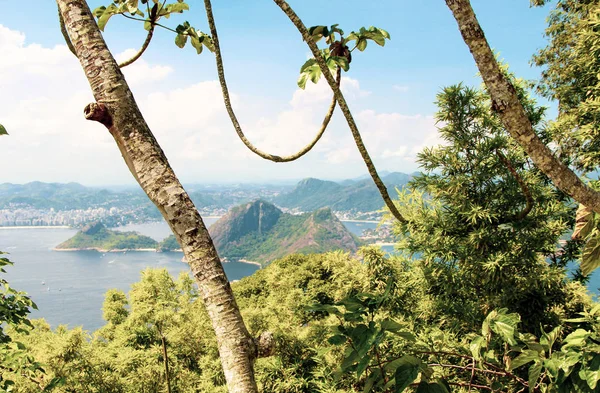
x=265, y=345
x=98, y=112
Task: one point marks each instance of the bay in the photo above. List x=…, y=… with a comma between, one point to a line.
x=69, y=287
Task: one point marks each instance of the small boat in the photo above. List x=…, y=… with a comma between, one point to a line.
x=43, y=282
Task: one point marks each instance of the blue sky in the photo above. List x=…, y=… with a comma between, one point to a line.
x=391, y=90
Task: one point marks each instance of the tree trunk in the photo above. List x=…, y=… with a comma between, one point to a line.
x=163, y=341
x=506, y=103
x=116, y=108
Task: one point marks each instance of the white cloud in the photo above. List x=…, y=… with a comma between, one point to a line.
x=43, y=92
x=140, y=72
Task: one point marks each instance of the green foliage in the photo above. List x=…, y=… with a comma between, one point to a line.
x=169, y=244
x=15, y=361
x=3, y=130
x=571, y=76
x=106, y=240
x=150, y=15
x=338, y=54
x=14, y=305
x=469, y=220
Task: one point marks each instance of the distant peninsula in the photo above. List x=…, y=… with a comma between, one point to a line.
x=97, y=237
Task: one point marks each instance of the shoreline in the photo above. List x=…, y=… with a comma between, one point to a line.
x=250, y=262
x=105, y=251
x=364, y=221
x=38, y=227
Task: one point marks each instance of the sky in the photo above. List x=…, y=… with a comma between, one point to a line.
x=391, y=90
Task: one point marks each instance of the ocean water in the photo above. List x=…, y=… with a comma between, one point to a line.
x=69, y=287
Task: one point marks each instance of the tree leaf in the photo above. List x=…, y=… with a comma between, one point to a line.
x=180, y=40
x=525, y=357
x=590, y=376
x=407, y=371
x=433, y=387
x=590, y=256
x=197, y=44
x=502, y=324
x=584, y=222
x=3, y=130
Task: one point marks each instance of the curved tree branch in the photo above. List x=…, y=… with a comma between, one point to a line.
x=506, y=103
x=343, y=106
x=142, y=49
x=145, y=45
x=232, y=116
x=529, y=199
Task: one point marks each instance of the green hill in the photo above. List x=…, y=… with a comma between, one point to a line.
x=350, y=195
x=96, y=237
x=259, y=231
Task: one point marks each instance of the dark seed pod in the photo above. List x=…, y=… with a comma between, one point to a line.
x=340, y=50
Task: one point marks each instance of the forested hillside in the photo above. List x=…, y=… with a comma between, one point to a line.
x=496, y=231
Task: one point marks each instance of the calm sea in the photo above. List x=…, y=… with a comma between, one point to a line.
x=69, y=287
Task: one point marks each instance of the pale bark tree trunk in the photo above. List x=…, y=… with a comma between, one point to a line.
x=116, y=108
x=506, y=103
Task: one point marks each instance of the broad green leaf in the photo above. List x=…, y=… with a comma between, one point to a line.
x=302, y=81
x=106, y=15
x=590, y=376
x=534, y=373
x=584, y=222
x=433, y=387
x=362, y=365
x=590, y=257
x=373, y=379
x=132, y=6
x=525, y=357
x=361, y=44
x=407, y=371
x=476, y=345
x=338, y=339
x=548, y=339
x=341, y=61
x=178, y=7
x=502, y=324
x=180, y=40
x=3, y=130
x=384, y=33
x=196, y=44
x=390, y=325
x=576, y=339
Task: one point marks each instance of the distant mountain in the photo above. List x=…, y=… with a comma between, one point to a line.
x=95, y=236
x=351, y=195
x=69, y=196
x=260, y=232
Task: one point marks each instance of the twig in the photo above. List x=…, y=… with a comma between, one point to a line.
x=529, y=199
x=343, y=106
x=142, y=49
x=232, y=116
